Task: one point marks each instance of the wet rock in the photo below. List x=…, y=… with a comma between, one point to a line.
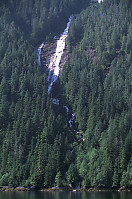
x=6, y=188
x=93, y=189
x=123, y=189
x=21, y=189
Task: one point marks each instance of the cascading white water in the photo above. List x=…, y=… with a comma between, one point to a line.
x=99, y=1
x=54, y=68
x=54, y=65
x=71, y=118
x=39, y=53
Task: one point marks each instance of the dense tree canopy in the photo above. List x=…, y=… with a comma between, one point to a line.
x=97, y=85
x=37, y=145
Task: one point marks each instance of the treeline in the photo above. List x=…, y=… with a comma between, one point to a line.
x=98, y=86
x=35, y=141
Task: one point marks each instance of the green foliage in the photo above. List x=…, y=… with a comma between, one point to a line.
x=58, y=179
x=97, y=85
x=34, y=138
x=72, y=176
x=37, y=145
x=4, y=180
x=126, y=179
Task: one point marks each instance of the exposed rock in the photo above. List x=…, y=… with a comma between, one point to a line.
x=6, y=188
x=56, y=189
x=123, y=189
x=93, y=189
x=21, y=189
x=47, y=50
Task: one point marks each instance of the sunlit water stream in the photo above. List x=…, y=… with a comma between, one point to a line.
x=55, y=59
x=54, y=65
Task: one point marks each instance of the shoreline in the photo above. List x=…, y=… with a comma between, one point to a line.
x=92, y=189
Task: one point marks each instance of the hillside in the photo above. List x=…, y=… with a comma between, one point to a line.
x=38, y=145
x=97, y=86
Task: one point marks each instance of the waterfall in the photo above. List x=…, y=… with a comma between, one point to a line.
x=54, y=71
x=54, y=65
x=99, y=1
x=39, y=53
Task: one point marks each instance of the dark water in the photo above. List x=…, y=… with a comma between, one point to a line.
x=65, y=195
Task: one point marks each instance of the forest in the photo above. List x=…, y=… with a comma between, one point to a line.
x=38, y=147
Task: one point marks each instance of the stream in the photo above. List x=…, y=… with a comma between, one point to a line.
x=54, y=65
x=54, y=71
x=55, y=59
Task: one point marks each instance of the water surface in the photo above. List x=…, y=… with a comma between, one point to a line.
x=65, y=195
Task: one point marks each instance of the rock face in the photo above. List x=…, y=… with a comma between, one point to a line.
x=47, y=50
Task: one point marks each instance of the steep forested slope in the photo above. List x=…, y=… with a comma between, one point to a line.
x=98, y=86
x=32, y=142
x=43, y=18
x=37, y=145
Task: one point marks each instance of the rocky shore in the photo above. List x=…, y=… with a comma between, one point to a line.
x=6, y=188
